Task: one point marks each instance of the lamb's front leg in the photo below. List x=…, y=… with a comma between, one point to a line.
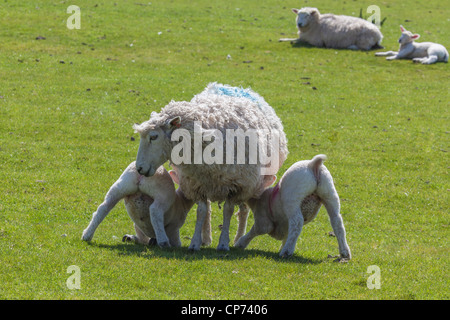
x=224, y=240
x=386, y=54
x=157, y=211
x=196, y=242
x=242, y=216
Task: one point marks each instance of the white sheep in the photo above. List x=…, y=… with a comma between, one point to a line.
x=282, y=211
x=335, y=31
x=424, y=52
x=150, y=202
x=214, y=174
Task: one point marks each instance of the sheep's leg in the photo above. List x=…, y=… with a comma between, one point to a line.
x=332, y=205
x=157, y=220
x=224, y=240
x=388, y=53
x=103, y=209
x=196, y=241
x=295, y=225
x=206, y=229
x=242, y=216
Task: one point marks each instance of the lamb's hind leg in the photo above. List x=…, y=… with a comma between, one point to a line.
x=429, y=60
x=331, y=203
x=224, y=240
x=111, y=199
x=295, y=222
x=196, y=241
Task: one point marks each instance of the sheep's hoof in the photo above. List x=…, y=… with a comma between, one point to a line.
x=194, y=248
x=164, y=244
x=127, y=238
x=285, y=254
x=152, y=242
x=223, y=248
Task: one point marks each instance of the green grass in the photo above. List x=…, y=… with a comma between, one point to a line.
x=66, y=137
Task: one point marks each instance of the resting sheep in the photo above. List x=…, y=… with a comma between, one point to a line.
x=282, y=211
x=424, y=52
x=208, y=167
x=335, y=31
x=150, y=202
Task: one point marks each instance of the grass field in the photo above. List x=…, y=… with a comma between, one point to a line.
x=68, y=102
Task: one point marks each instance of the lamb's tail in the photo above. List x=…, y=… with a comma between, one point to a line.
x=315, y=165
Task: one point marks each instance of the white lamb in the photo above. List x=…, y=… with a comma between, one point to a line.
x=424, y=52
x=335, y=31
x=208, y=171
x=282, y=211
x=148, y=200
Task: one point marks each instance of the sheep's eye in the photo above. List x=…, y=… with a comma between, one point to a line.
x=153, y=136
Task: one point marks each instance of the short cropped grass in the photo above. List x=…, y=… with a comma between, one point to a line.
x=68, y=102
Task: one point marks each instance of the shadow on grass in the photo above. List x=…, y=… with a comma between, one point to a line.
x=185, y=254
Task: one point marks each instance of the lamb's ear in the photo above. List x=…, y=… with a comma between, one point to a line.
x=314, y=12
x=269, y=180
x=402, y=29
x=415, y=36
x=174, y=176
x=295, y=11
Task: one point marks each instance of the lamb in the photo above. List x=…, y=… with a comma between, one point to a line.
x=424, y=52
x=335, y=31
x=282, y=211
x=213, y=171
x=150, y=202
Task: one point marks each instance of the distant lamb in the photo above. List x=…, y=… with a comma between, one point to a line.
x=282, y=211
x=335, y=31
x=203, y=125
x=423, y=52
x=148, y=200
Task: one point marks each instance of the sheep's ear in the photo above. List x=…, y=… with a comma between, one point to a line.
x=402, y=29
x=314, y=12
x=415, y=36
x=173, y=123
x=295, y=11
x=174, y=176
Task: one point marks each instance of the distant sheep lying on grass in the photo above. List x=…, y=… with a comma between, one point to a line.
x=149, y=200
x=335, y=31
x=282, y=211
x=423, y=52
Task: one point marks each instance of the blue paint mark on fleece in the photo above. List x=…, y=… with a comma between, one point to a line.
x=236, y=92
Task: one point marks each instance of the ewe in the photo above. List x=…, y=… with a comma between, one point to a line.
x=424, y=52
x=333, y=31
x=208, y=166
x=151, y=202
x=282, y=211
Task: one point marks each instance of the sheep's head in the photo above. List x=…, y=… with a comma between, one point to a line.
x=153, y=151
x=305, y=16
x=407, y=36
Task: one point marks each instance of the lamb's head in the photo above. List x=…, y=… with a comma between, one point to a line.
x=154, y=146
x=305, y=16
x=407, y=36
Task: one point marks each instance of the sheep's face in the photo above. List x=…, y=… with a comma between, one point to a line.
x=152, y=151
x=305, y=16
x=407, y=36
